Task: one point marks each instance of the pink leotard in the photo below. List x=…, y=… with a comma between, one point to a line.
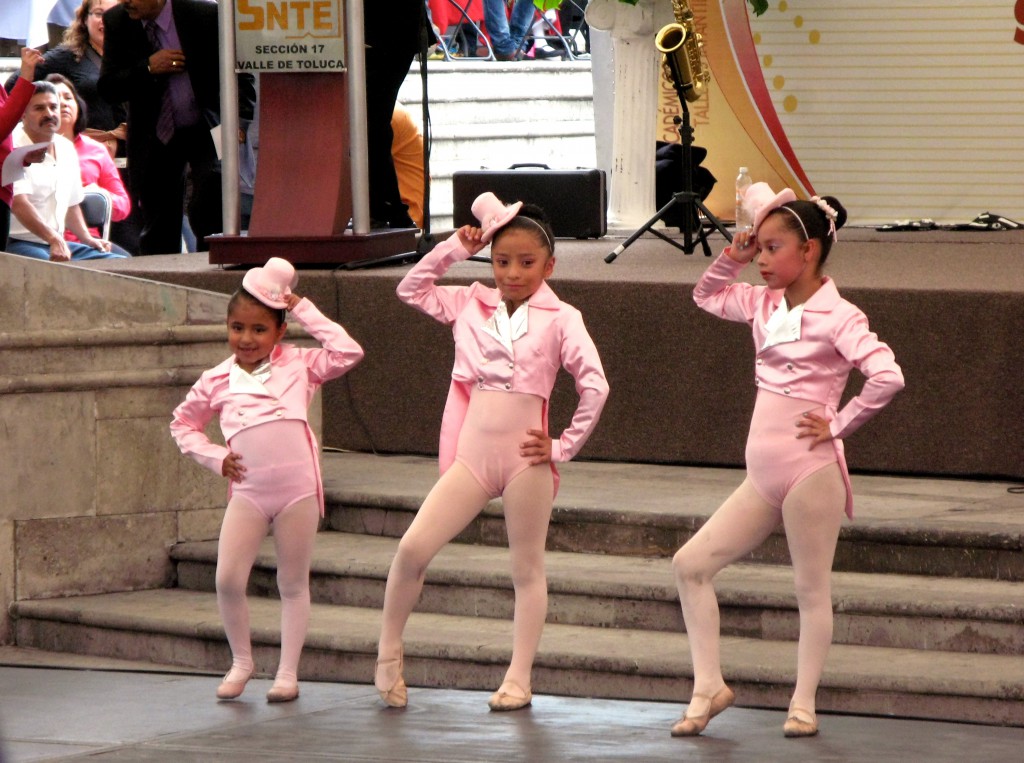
x=278, y=459
x=776, y=460
x=495, y=425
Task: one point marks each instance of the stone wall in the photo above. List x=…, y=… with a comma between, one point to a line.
x=93, y=490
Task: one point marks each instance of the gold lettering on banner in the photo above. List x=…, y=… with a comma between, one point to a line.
x=302, y=16
x=701, y=115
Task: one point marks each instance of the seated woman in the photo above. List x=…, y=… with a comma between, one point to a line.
x=98, y=169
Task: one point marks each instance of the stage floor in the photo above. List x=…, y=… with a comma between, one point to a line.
x=101, y=710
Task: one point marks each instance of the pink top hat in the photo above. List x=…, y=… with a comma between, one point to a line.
x=760, y=199
x=492, y=214
x=273, y=283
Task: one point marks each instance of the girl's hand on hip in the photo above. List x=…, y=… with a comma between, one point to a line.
x=232, y=467
x=538, y=450
x=814, y=426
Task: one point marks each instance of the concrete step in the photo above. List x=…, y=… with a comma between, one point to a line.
x=904, y=526
x=140, y=355
x=467, y=81
x=606, y=591
x=486, y=114
x=183, y=628
x=69, y=357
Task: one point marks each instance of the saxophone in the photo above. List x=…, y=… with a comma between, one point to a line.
x=680, y=46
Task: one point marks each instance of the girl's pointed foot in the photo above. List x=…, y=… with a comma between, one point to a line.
x=387, y=677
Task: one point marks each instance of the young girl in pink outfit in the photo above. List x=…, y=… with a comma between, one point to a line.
x=261, y=395
x=807, y=339
x=510, y=342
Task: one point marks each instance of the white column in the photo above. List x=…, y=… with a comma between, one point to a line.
x=633, y=120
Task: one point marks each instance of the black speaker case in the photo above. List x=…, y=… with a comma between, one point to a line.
x=575, y=201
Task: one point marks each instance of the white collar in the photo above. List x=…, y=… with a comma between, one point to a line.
x=505, y=328
x=783, y=325
x=241, y=381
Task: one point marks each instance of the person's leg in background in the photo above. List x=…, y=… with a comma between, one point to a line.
x=125, y=233
x=24, y=248
x=205, y=204
x=391, y=47
x=520, y=22
x=496, y=23
x=160, y=180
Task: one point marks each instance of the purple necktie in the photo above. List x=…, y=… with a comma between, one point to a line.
x=165, y=119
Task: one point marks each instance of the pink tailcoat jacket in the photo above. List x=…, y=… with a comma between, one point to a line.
x=556, y=338
x=834, y=338
x=296, y=374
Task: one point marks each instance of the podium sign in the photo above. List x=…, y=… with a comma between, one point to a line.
x=289, y=36
x=311, y=174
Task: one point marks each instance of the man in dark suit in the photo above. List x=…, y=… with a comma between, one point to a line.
x=393, y=37
x=161, y=57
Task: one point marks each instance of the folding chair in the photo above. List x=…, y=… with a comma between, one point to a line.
x=97, y=209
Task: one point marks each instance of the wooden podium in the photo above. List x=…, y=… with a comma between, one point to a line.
x=303, y=201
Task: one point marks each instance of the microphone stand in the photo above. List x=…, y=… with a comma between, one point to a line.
x=693, y=206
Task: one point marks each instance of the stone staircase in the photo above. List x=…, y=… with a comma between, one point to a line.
x=927, y=594
x=490, y=115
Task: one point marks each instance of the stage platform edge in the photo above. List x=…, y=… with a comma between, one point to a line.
x=338, y=249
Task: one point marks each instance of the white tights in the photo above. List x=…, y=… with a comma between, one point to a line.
x=812, y=514
x=451, y=505
x=241, y=534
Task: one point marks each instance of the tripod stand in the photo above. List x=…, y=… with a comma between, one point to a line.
x=693, y=207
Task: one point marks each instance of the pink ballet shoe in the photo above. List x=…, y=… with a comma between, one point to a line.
x=395, y=693
x=510, y=696
x=283, y=691
x=800, y=723
x=691, y=726
x=233, y=689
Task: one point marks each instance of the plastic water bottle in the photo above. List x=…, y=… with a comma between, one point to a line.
x=744, y=221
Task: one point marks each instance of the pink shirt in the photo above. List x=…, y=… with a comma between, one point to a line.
x=99, y=169
x=556, y=338
x=834, y=339
x=296, y=375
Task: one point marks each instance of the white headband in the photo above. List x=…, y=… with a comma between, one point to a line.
x=802, y=226
x=830, y=215
x=551, y=244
